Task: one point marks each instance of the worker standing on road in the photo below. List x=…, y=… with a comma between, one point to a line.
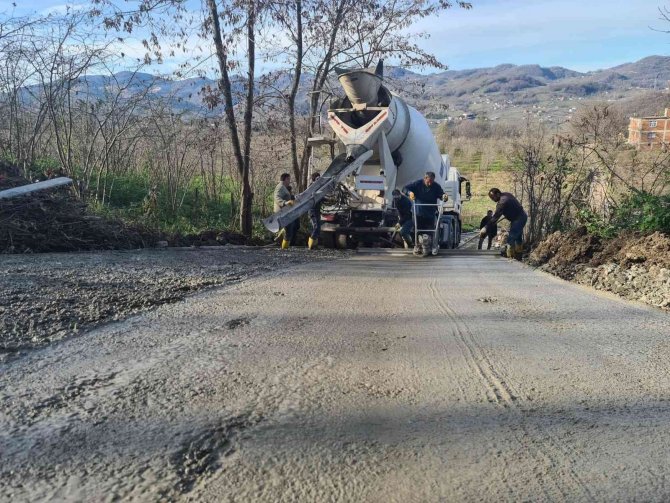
x=404, y=206
x=315, y=219
x=282, y=198
x=425, y=191
x=491, y=231
x=509, y=207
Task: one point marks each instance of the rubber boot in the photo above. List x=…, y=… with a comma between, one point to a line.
x=312, y=242
x=285, y=244
x=510, y=251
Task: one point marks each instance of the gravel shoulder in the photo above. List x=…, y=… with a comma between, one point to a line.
x=381, y=377
x=45, y=298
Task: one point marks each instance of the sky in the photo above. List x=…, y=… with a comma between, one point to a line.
x=581, y=35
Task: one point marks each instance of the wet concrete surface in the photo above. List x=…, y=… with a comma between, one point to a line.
x=47, y=297
x=379, y=377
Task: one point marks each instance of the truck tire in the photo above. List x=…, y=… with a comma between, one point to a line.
x=445, y=239
x=328, y=239
x=344, y=242
x=454, y=234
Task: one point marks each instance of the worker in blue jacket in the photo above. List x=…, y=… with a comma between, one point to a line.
x=425, y=191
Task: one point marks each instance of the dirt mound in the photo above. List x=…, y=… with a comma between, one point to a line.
x=9, y=176
x=54, y=221
x=633, y=265
x=562, y=251
x=635, y=248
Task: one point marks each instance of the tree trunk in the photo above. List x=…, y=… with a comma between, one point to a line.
x=294, y=92
x=224, y=84
x=246, y=216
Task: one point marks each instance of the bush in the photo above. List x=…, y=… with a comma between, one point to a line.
x=644, y=212
x=639, y=211
x=595, y=225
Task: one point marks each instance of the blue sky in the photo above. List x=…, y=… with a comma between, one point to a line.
x=578, y=34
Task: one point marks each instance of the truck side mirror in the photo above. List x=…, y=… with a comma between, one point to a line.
x=468, y=191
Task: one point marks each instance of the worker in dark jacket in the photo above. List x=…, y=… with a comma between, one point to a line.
x=314, y=218
x=509, y=207
x=491, y=231
x=425, y=191
x=404, y=206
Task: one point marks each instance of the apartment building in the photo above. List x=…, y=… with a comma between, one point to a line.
x=650, y=132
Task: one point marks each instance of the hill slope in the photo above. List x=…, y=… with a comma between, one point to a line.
x=501, y=92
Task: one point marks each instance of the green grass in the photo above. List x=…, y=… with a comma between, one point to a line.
x=475, y=209
x=193, y=212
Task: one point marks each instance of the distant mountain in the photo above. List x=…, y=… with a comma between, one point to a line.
x=508, y=91
x=500, y=92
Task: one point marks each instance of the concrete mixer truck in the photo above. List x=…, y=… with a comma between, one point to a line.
x=384, y=144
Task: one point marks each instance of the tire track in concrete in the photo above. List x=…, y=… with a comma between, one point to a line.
x=507, y=397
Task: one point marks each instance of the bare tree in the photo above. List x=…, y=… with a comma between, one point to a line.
x=550, y=175
x=350, y=32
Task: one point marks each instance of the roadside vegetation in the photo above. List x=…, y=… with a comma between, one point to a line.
x=139, y=155
x=583, y=174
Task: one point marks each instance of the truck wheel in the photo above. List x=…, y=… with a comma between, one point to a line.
x=328, y=239
x=454, y=234
x=344, y=242
x=444, y=243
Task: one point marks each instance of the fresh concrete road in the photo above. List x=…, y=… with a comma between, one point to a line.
x=382, y=377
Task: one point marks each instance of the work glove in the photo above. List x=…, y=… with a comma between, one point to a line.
x=412, y=196
x=290, y=202
x=445, y=197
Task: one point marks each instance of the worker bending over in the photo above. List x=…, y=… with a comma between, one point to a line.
x=425, y=191
x=491, y=231
x=509, y=207
x=282, y=198
x=403, y=204
x=315, y=219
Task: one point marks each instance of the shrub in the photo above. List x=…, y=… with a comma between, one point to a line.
x=644, y=212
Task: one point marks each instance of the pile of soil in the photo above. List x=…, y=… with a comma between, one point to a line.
x=633, y=265
x=55, y=221
x=9, y=176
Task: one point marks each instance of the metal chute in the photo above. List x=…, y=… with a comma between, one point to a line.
x=338, y=170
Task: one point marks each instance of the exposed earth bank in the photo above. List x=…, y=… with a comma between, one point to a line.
x=634, y=266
